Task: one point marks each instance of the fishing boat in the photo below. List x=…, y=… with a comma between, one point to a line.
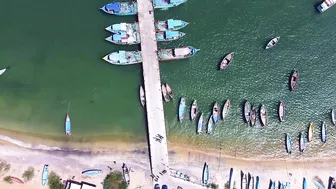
x=142, y=96
x=121, y=8
x=17, y=180
x=206, y=175
x=3, y=71
x=176, y=53
x=67, y=125
x=182, y=107
x=169, y=35
x=165, y=4
x=164, y=93
x=124, y=38
x=232, y=182
x=123, y=27
x=257, y=182
x=247, y=111
x=310, y=132
x=45, y=174
x=200, y=124
x=294, y=80
x=211, y=126
x=302, y=143
x=92, y=172
x=305, y=185
x=215, y=111
x=226, y=61
x=193, y=110
x=326, y=5
x=169, y=91
x=170, y=24
x=253, y=118
x=226, y=108
x=126, y=174
x=123, y=58
x=288, y=144
x=251, y=182
x=263, y=115
x=244, y=181
x=323, y=132
x=281, y=111
x=333, y=116
x=272, y=42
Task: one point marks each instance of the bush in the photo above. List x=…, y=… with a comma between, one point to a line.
x=213, y=186
x=54, y=181
x=226, y=186
x=115, y=180
x=8, y=179
x=28, y=174
x=4, y=166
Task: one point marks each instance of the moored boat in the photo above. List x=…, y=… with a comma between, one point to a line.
x=170, y=24
x=165, y=4
x=121, y=8
x=244, y=180
x=257, y=182
x=206, y=175
x=226, y=108
x=164, y=93
x=247, y=111
x=272, y=42
x=310, y=132
x=123, y=27
x=288, y=144
x=169, y=35
x=67, y=125
x=294, y=80
x=17, y=180
x=169, y=91
x=281, y=111
x=251, y=182
x=92, y=172
x=333, y=116
x=253, y=116
x=263, y=115
x=142, y=96
x=182, y=107
x=305, y=185
x=176, y=53
x=226, y=61
x=302, y=143
x=210, y=126
x=215, y=111
x=193, y=110
x=124, y=38
x=123, y=58
x=323, y=132
x=126, y=174
x=325, y=5
x=200, y=124
x=45, y=174
x=3, y=71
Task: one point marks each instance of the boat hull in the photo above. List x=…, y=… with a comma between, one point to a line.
x=263, y=115
x=92, y=172
x=247, y=111
x=162, y=4
x=302, y=143
x=323, y=132
x=211, y=126
x=169, y=91
x=182, y=107
x=121, y=8
x=311, y=132
x=325, y=5
x=294, y=80
x=123, y=58
x=215, y=111
x=273, y=42
x=176, y=53
x=226, y=61
x=253, y=116
x=67, y=125
x=281, y=111
x=193, y=110
x=206, y=176
x=288, y=144
x=142, y=96
x=45, y=174
x=164, y=93
x=200, y=124
x=226, y=108
x=333, y=116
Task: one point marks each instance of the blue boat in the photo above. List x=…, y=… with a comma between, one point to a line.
x=206, y=175
x=92, y=172
x=288, y=144
x=67, y=125
x=281, y=185
x=211, y=125
x=305, y=186
x=169, y=35
x=257, y=182
x=272, y=185
x=182, y=108
x=302, y=143
x=121, y=8
x=124, y=38
x=165, y=4
x=45, y=174
x=323, y=132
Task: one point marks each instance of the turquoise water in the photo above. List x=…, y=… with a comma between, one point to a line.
x=54, y=52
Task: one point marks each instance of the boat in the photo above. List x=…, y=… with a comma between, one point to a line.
x=325, y=5
x=253, y=118
x=226, y=108
x=272, y=42
x=310, y=132
x=3, y=71
x=121, y=8
x=17, y=180
x=332, y=183
x=232, y=181
x=272, y=185
x=164, y=93
x=302, y=143
x=226, y=61
x=294, y=80
x=176, y=53
x=281, y=185
x=124, y=38
x=169, y=91
x=257, y=182
x=263, y=115
x=123, y=27
x=126, y=174
x=247, y=111
x=168, y=35
x=281, y=111
x=170, y=24
x=323, y=132
x=182, y=107
x=215, y=111
x=211, y=126
x=288, y=144
x=45, y=174
x=200, y=124
x=165, y=4
x=123, y=58
x=305, y=186
x=287, y=185
x=251, y=182
x=244, y=183
x=318, y=182
x=67, y=125
x=142, y=96
x=92, y=172
x=333, y=116
x=193, y=110
x=206, y=176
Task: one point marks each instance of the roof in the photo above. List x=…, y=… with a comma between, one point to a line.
x=181, y=51
x=115, y=7
x=172, y=23
x=116, y=37
x=86, y=186
x=73, y=185
x=121, y=26
x=171, y=34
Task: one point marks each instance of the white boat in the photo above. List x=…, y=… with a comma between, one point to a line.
x=226, y=108
x=272, y=43
x=326, y=5
x=2, y=71
x=142, y=96
x=200, y=124
x=333, y=116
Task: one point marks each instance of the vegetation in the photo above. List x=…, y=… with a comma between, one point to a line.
x=28, y=174
x=54, y=181
x=214, y=186
x=4, y=166
x=115, y=180
x=226, y=186
x=8, y=179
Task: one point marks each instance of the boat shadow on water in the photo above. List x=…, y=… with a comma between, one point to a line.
x=242, y=105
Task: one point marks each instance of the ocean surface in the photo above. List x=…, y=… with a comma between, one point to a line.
x=54, y=50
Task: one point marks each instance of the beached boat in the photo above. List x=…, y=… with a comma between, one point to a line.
x=253, y=118
x=318, y=182
x=67, y=125
x=232, y=181
x=263, y=115
x=332, y=183
x=123, y=58
x=45, y=174
x=272, y=185
x=165, y=4
x=2, y=71
x=281, y=111
x=123, y=27
x=244, y=180
x=324, y=132
x=288, y=144
x=182, y=107
x=247, y=111
x=17, y=180
x=124, y=38
x=310, y=132
x=210, y=126
x=193, y=110
x=281, y=185
x=326, y=5
x=206, y=175
x=257, y=182
x=302, y=143
x=333, y=116
x=126, y=174
x=170, y=24
x=272, y=42
x=215, y=110
x=251, y=182
x=176, y=53
x=294, y=80
x=305, y=185
x=121, y=8
x=200, y=124
x=164, y=93
x=142, y=96
x=226, y=108
x=92, y=172
x=226, y=61
x=169, y=35
x=169, y=91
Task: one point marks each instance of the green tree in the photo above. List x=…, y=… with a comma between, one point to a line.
x=54, y=181
x=8, y=179
x=28, y=174
x=4, y=166
x=226, y=186
x=213, y=186
x=115, y=180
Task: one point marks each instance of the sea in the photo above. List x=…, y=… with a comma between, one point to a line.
x=53, y=52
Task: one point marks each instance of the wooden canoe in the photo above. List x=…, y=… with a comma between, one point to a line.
x=200, y=124
x=164, y=93
x=193, y=110
x=324, y=132
x=253, y=116
x=288, y=144
x=142, y=96
x=294, y=80
x=281, y=111
x=226, y=61
x=169, y=91
x=311, y=132
x=272, y=42
x=210, y=126
x=215, y=110
x=247, y=111
x=226, y=108
x=263, y=115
